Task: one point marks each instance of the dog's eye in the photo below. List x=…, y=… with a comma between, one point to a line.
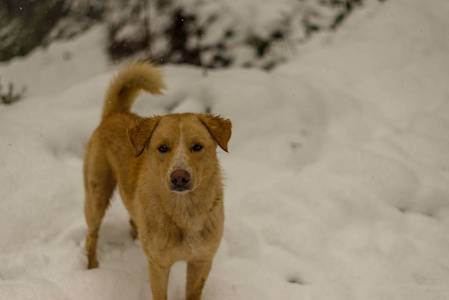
x=163, y=148
x=197, y=147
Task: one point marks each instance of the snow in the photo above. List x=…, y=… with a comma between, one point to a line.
x=337, y=172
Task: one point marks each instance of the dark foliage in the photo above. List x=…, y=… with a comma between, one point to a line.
x=30, y=22
x=168, y=31
x=10, y=96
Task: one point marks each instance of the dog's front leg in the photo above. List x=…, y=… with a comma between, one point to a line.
x=197, y=273
x=158, y=276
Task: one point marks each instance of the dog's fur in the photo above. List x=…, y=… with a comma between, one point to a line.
x=168, y=176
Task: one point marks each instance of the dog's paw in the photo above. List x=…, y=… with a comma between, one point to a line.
x=93, y=264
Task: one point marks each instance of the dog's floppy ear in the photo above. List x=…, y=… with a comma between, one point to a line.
x=140, y=132
x=219, y=128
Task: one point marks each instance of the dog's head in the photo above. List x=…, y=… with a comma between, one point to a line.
x=181, y=148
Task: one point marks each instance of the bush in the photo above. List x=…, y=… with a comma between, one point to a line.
x=10, y=96
x=249, y=33
x=212, y=34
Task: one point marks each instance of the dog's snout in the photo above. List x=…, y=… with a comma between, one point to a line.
x=180, y=178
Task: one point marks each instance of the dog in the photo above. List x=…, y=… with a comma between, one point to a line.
x=168, y=176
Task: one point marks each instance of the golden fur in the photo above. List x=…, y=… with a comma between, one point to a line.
x=168, y=176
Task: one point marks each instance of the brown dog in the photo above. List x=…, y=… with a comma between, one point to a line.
x=168, y=176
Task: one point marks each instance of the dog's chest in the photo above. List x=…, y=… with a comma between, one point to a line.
x=185, y=234
x=189, y=245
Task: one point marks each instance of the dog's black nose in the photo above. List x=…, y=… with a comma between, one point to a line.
x=180, y=178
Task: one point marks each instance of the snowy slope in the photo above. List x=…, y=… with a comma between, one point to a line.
x=337, y=176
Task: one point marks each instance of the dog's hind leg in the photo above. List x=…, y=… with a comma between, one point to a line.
x=99, y=185
x=134, y=232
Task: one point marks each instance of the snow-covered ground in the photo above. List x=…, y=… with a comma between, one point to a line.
x=337, y=176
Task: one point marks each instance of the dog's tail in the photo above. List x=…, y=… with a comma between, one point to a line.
x=126, y=85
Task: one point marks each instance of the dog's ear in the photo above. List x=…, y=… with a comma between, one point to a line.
x=140, y=132
x=219, y=128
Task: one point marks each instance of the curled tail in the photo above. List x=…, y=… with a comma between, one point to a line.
x=125, y=86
